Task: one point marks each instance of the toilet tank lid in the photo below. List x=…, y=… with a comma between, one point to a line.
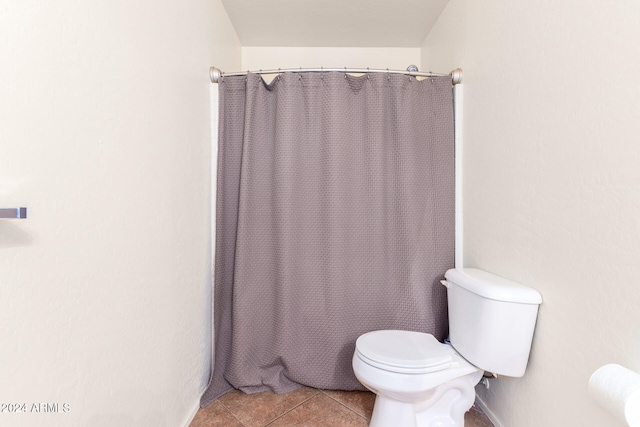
x=493, y=287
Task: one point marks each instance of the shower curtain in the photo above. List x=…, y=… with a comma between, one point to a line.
x=335, y=217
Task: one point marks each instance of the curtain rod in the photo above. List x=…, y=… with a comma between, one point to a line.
x=216, y=74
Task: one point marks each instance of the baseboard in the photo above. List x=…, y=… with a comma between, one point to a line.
x=484, y=408
x=192, y=414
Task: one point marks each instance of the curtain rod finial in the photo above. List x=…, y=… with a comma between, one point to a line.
x=456, y=76
x=214, y=74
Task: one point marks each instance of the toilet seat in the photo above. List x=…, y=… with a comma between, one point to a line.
x=404, y=352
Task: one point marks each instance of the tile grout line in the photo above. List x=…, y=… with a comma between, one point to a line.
x=346, y=406
x=318, y=391
x=231, y=412
x=291, y=409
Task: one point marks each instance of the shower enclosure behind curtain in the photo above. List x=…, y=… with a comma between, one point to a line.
x=335, y=217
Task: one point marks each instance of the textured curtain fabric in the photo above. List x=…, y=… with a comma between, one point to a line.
x=335, y=217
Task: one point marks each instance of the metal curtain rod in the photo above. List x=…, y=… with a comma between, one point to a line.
x=216, y=74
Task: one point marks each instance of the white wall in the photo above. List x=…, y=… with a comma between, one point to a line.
x=105, y=137
x=552, y=184
x=256, y=58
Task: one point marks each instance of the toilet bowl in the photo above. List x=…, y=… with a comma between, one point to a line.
x=420, y=382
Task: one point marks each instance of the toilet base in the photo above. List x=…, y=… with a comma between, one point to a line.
x=445, y=408
x=389, y=412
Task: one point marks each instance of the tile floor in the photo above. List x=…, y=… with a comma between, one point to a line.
x=304, y=407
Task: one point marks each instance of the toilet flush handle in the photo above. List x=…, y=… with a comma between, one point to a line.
x=445, y=283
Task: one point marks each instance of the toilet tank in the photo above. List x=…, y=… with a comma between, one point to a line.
x=491, y=320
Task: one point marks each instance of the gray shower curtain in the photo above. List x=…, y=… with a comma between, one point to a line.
x=335, y=217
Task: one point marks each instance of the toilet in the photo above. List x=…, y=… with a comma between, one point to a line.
x=421, y=382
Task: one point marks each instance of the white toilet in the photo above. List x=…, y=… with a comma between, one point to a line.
x=420, y=382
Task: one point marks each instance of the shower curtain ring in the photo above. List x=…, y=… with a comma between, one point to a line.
x=388, y=75
x=345, y=72
x=368, y=75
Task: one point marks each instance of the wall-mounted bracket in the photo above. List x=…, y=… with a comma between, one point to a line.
x=13, y=213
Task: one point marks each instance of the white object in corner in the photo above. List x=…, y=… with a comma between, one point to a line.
x=617, y=390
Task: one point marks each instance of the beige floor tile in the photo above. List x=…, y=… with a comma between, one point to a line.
x=215, y=415
x=320, y=411
x=304, y=407
x=256, y=410
x=360, y=402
